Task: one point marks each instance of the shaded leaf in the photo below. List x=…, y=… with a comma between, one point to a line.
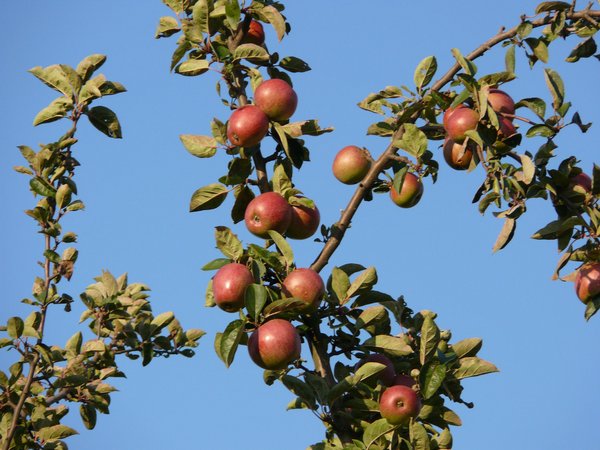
x=255, y=298
x=208, y=197
x=105, y=120
x=228, y=243
x=506, y=234
x=230, y=340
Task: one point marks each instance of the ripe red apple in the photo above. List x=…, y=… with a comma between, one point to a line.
x=268, y=211
x=247, y=126
x=501, y=102
x=457, y=155
x=459, y=122
x=351, y=164
x=386, y=376
x=507, y=129
x=582, y=180
x=255, y=34
x=587, y=282
x=398, y=404
x=410, y=193
x=306, y=285
x=305, y=222
x=276, y=98
x=449, y=112
x=403, y=380
x=229, y=284
x=274, y=344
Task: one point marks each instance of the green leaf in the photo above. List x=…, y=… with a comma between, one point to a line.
x=528, y=169
x=451, y=417
x=208, y=197
x=391, y=345
x=283, y=246
x=556, y=228
x=473, y=367
x=340, y=283
x=537, y=105
x=55, y=432
x=230, y=340
x=281, y=181
x=584, y=49
x=367, y=370
x=216, y=264
x=162, y=320
x=243, y=197
x=414, y=141
x=105, y=120
x=299, y=388
x=255, y=299
x=551, y=6
x=251, y=52
x=430, y=337
x=556, y=87
x=363, y=282
x=192, y=67
x=284, y=306
x=54, y=77
x=375, y=431
x=56, y=110
x=372, y=315
x=467, y=347
x=432, y=377
x=167, y=26
x=506, y=234
x=425, y=71
x=73, y=346
x=273, y=16
x=228, y=243
x=539, y=48
x=592, y=308
x=200, y=146
x=15, y=327
x=89, y=65
x=42, y=187
x=293, y=64
x=233, y=14
x=418, y=436
x=200, y=15
x=88, y=415
x=468, y=66
x=524, y=29
x=175, y=5
x=509, y=59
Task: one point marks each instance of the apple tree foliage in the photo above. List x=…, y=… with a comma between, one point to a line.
x=354, y=320
x=46, y=377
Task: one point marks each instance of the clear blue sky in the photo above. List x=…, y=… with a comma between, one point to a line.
x=438, y=254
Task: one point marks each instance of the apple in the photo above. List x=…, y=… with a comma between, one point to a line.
x=276, y=98
x=507, y=129
x=501, y=102
x=274, y=344
x=386, y=376
x=306, y=285
x=351, y=164
x=587, y=281
x=398, y=404
x=229, y=285
x=458, y=156
x=403, y=380
x=247, y=126
x=583, y=181
x=410, y=193
x=268, y=211
x=449, y=112
x=255, y=34
x=305, y=221
x=459, y=122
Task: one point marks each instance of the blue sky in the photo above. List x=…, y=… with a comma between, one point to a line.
x=438, y=254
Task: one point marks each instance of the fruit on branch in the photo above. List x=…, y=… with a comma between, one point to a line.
x=459, y=122
x=398, y=404
x=410, y=192
x=274, y=344
x=268, y=211
x=458, y=156
x=305, y=221
x=229, y=285
x=581, y=180
x=449, y=112
x=507, y=129
x=386, y=376
x=351, y=164
x=501, y=102
x=276, y=98
x=403, y=380
x=247, y=126
x=306, y=285
x=587, y=281
x=255, y=34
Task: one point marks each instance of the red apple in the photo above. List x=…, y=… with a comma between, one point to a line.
x=458, y=156
x=386, y=376
x=268, y=211
x=583, y=181
x=274, y=344
x=398, y=404
x=247, y=126
x=587, y=282
x=449, y=112
x=229, y=284
x=306, y=285
x=403, y=380
x=276, y=98
x=507, y=129
x=501, y=102
x=351, y=164
x=305, y=221
x=255, y=34
x=410, y=193
x=459, y=122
